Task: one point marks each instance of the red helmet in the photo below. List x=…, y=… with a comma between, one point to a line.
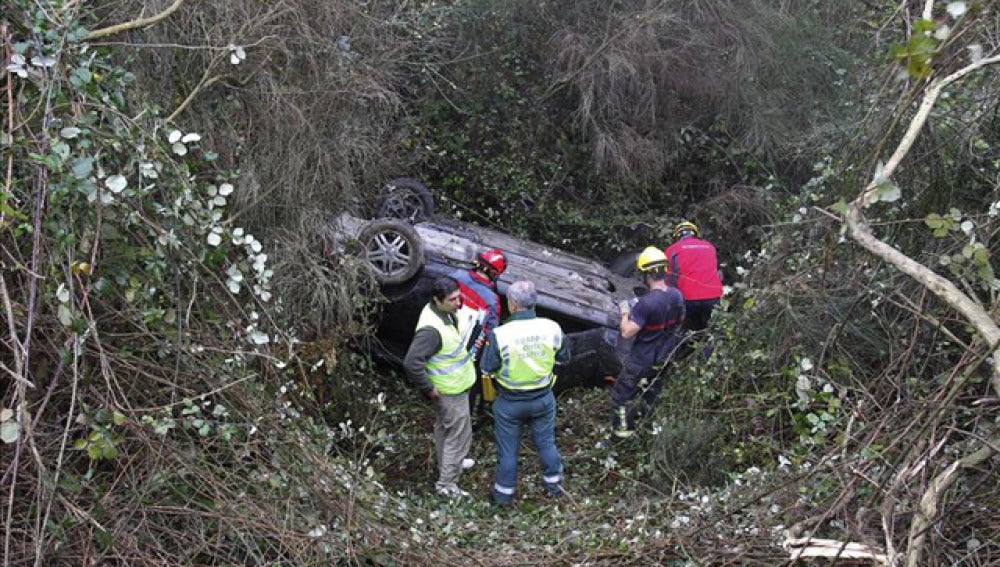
x=493, y=260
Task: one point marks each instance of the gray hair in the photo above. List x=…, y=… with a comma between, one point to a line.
x=523, y=293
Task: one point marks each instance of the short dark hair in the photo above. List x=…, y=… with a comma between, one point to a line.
x=656, y=274
x=443, y=287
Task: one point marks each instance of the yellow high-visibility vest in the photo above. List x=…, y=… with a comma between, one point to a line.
x=451, y=369
x=528, y=353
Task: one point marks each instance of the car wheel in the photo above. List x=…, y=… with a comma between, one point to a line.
x=406, y=199
x=624, y=265
x=393, y=250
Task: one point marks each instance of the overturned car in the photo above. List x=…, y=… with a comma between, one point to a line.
x=406, y=251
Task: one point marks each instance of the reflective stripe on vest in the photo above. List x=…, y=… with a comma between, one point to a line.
x=528, y=353
x=451, y=368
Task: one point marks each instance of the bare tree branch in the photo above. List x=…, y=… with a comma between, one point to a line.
x=134, y=24
x=974, y=312
x=861, y=232
x=929, y=501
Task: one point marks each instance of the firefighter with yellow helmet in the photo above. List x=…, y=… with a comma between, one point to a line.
x=653, y=324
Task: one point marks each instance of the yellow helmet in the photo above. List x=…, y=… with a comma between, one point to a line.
x=650, y=259
x=686, y=226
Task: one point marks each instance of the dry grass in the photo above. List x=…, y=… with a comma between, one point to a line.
x=638, y=75
x=307, y=117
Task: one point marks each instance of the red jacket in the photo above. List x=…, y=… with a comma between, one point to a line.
x=695, y=268
x=479, y=293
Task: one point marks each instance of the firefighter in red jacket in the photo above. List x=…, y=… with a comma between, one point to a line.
x=481, y=303
x=695, y=271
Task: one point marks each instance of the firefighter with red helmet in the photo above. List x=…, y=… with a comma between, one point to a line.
x=479, y=286
x=481, y=302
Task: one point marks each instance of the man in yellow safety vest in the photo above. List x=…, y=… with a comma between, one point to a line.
x=439, y=365
x=522, y=353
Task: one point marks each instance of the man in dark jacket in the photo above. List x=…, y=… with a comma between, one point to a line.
x=439, y=365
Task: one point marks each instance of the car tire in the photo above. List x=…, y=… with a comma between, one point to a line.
x=407, y=199
x=624, y=265
x=392, y=249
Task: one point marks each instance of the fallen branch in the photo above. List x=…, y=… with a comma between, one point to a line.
x=812, y=547
x=861, y=232
x=973, y=311
x=928, y=508
x=134, y=24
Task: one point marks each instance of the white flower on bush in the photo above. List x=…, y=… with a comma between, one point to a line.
x=318, y=531
x=975, y=52
x=116, y=183
x=259, y=263
x=234, y=282
x=148, y=169
x=178, y=141
x=236, y=54
x=803, y=389
x=17, y=63
x=262, y=293
x=783, y=462
x=258, y=337
x=679, y=521
x=237, y=236
x=254, y=244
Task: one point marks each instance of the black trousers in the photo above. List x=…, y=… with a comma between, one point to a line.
x=697, y=313
x=636, y=380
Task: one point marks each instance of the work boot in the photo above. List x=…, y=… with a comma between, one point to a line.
x=452, y=491
x=502, y=500
x=554, y=491
x=620, y=426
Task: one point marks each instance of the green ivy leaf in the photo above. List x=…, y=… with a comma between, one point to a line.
x=103, y=539
x=83, y=75
x=109, y=451
x=65, y=315
x=922, y=26
x=10, y=211
x=83, y=167
x=986, y=273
